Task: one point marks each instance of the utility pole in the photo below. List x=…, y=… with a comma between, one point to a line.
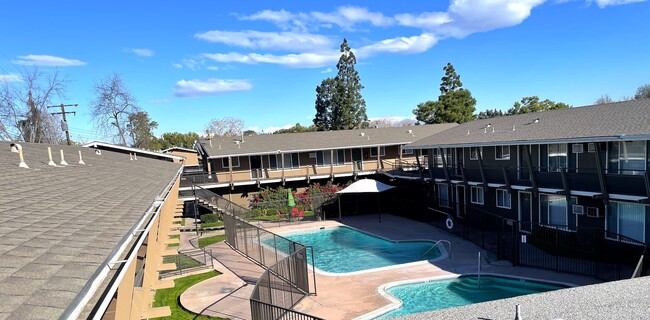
x=64, y=124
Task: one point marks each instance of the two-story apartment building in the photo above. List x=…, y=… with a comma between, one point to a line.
x=567, y=169
x=230, y=162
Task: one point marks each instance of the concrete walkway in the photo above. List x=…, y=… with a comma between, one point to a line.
x=227, y=295
x=347, y=297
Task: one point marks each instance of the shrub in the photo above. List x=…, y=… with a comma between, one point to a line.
x=209, y=218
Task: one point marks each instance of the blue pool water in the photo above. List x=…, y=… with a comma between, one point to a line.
x=342, y=250
x=441, y=294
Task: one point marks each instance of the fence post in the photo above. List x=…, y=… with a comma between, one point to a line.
x=178, y=264
x=259, y=245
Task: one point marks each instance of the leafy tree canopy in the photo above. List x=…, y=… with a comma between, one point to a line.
x=533, y=104
x=297, y=128
x=455, y=104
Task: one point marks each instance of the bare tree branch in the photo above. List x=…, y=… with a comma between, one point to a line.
x=112, y=106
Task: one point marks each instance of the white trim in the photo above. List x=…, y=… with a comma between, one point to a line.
x=585, y=193
x=626, y=197
x=470, y=153
x=382, y=152
x=229, y=162
x=95, y=144
x=530, y=195
x=509, y=198
x=502, y=158
x=448, y=195
x=482, y=195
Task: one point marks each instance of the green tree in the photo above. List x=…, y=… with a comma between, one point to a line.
x=642, y=92
x=339, y=104
x=250, y=133
x=140, y=128
x=176, y=139
x=455, y=103
x=533, y=104
x=324, y=104
x=297, y=128
x=490, y=113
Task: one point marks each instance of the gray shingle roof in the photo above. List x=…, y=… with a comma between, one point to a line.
x=58, y=224
x=321, y=140
x=613, y=121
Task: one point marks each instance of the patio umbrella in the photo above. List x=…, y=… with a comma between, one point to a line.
x=290, y=201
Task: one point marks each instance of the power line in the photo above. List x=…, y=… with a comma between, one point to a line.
x=64, y=124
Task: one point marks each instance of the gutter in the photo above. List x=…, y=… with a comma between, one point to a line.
x=79, y=303
x=622, y=137
x=309, y=150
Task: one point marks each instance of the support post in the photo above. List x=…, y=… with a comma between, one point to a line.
x=529, y=163
x=417, y=160
x=480, y=164
x=601, y=175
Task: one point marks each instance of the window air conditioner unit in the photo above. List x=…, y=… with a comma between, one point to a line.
x=312, y=155
x=591, y=147
x=577, y=209
x=577, y=148
x=593, y=212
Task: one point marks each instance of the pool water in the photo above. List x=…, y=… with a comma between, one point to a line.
x=343, y=250
x=464, y=290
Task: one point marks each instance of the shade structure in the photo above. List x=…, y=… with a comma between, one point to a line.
x=365, y=186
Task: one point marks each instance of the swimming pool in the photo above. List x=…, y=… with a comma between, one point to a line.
x=459, y=291
x=344, y=250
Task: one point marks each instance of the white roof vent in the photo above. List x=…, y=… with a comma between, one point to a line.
x=363, y=134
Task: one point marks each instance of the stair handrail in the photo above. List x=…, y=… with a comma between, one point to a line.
x=435, y=244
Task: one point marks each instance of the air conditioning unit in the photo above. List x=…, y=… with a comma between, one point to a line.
x=577, y=209
x=593, y=212
x=312, y=155
x=577, y=148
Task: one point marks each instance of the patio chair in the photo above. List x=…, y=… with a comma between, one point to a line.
x=301, y=213
x=294, y=213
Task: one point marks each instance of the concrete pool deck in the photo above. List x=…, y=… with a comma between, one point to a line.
x=352, y=296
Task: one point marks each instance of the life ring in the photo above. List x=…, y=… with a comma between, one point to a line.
x=450, y=223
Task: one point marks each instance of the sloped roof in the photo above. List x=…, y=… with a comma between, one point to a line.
x=320, y=140
x=59, y=224
x=626, y=120
x=122, y=149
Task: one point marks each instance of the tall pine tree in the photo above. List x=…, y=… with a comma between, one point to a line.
x=455, y=103
x=339, y=104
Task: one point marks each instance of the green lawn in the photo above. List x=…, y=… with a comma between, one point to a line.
x=173, y=245
x=204, y=242
x=175, y=236
x=170, y=297
x=183, y=222
x=184, y=261
x=212, y=224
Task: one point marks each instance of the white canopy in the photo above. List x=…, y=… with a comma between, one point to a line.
x=366, y=186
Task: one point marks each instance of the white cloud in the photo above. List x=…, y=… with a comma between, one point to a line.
x=268, y=40
x=415, y=44
x=346, y=17
x=212, y=68
x=159, y=101
x=207, y=87
x=301, y=60
x=177, y=66
x=328, y=70
x=142, y=52
x=48, y=61
x=10, y=78
x=192, y=64
x=605, y=3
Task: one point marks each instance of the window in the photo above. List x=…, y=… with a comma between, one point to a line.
x=323, y=157
x=373, y=151
x=235, y=162
x=437, y=157
x=627, y=157
x=626, y=221
x=503, y=199
x=477, y=195
x=557, y=156
x=407, y=151
x=473, y=153
x=554, y=211
x=291, y=161
x=502, y=153
x=443, y=195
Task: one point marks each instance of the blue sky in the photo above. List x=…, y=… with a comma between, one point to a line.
x=261, y=61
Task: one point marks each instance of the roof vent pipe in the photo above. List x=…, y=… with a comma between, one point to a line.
x=492, y=129
x=131, y=156
x=81, y=160
x=485, y=130
x=362, y=134
x=16, y=148
x=536, y=120
x=49, y=155
x=135, y=156
x=468, y=132
x=63, y=163
x=210, y=143
x=513, y=127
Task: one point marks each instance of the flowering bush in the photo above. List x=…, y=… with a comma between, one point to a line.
x=270, y=200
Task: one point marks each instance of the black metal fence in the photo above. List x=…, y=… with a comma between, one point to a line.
x=584, y=251
x=287, y=277
x=188, y=261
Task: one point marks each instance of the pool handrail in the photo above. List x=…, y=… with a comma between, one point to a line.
x=435, y=244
